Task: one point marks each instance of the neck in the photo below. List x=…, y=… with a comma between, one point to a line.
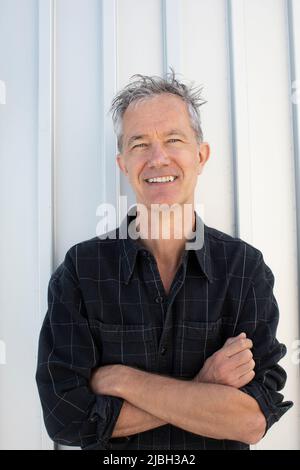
x=165, y=232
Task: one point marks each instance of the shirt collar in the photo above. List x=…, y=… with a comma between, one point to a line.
x=129, y=247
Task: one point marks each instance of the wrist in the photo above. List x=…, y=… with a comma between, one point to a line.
x=93, y=383
x=106, y=380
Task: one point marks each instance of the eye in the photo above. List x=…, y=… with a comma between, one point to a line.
x=172, y=141
x=139, y=146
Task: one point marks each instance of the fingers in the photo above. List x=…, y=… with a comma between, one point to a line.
x=245, y=368
x=240, y=358
x=235, y=347
x=245, y=374
x=244, y=379
x=232, y=365
x=232, y=340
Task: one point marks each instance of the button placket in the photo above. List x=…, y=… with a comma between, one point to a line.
x=164, y=358
x=159, y=298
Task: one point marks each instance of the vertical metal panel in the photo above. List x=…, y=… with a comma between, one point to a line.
x=205, y=62
x=45, y=162
x=20, y=419
x=171, y=19
x=293, y=26
x=240, y=119
x=2, y=92
x=140, y=40
x=78, y=123
x=111, y=182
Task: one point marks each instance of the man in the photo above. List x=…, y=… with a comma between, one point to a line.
x=147, y=344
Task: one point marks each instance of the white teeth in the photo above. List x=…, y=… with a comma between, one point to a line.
x=163, y=179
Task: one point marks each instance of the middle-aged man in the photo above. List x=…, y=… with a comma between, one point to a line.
x=155, y=342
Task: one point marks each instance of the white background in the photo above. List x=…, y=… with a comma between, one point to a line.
x=60, y=64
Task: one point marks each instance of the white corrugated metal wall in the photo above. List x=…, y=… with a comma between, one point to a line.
x=60, y=64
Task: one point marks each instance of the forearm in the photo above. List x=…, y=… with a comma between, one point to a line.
x=133, y=420
x=216, y=411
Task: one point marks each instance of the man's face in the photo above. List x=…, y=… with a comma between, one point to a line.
x=158, y=140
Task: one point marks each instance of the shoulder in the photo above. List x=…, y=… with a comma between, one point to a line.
x=105, y=244
x=217, y=237
x=235, y=251
x=85, y=255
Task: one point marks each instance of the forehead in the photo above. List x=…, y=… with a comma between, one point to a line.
x=160, y=112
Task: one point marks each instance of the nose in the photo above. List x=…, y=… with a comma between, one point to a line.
x=157, y=156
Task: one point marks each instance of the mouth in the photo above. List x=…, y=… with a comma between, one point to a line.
x=159, y=181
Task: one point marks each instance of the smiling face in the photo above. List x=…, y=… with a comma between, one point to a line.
x=158, y=141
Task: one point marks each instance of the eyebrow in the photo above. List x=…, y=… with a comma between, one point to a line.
x=144, y=136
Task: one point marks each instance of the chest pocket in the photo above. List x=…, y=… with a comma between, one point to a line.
x=131, y=345
x=195, y=342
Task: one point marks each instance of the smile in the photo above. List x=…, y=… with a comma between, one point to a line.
x=161, y=179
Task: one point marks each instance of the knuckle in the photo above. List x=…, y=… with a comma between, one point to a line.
x=209, y=360
x=245, y=343
x=217, y=356
x=249, y=376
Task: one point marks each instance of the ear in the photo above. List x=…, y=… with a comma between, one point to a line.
x=121, y=164
x=203, y=155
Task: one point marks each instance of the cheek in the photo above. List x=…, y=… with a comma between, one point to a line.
x=187, y=161
x=190, y=169
x=134, y=172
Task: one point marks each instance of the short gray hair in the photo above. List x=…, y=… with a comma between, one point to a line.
x=144, y=87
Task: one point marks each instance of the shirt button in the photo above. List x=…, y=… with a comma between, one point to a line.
x=159, y=299
x=163, y=351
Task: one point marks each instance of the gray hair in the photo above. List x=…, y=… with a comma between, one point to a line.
x=146, y=87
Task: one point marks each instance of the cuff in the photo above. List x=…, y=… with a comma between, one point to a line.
x=270, y=402
x=105, y=412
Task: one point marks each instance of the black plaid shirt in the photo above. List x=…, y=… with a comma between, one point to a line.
x=107, y=305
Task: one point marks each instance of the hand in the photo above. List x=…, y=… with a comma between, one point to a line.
x=232, y=365
x=106, y=379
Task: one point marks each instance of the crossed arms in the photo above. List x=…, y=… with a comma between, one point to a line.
x=210, y=405
x=224, y=400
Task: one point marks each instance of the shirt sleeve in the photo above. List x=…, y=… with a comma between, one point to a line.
x=259, y=319
x=67, y=354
